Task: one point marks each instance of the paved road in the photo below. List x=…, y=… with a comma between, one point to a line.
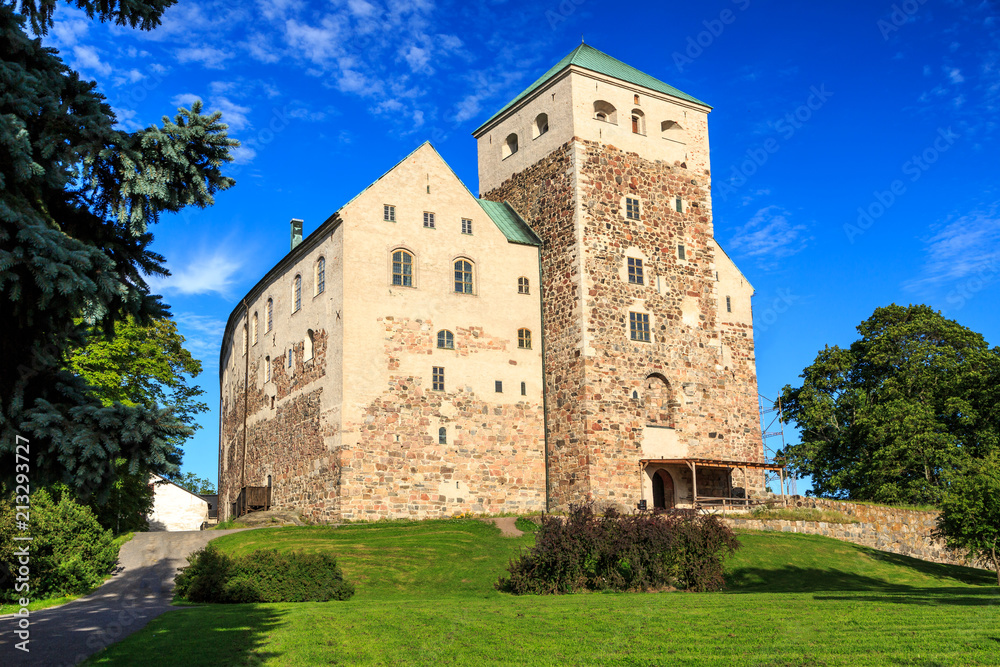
x=138, y=593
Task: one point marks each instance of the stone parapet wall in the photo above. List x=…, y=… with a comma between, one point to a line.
x=898, y=531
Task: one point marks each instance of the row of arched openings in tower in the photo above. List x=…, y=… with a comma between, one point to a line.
x=603, y=111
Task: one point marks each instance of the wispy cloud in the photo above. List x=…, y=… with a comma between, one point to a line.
x=210, y=272
x=769, y=234
x=203, y=336
x=209, y=56
x=959, y=249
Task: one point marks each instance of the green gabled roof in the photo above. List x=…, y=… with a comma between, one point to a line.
x=588, y=57
x=509, y=222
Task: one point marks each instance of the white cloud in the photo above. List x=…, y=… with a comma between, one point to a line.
x=185, y=99
x=959, y=249
x=209, y=56
x=207, y=273
x=87, y=60
x=769, y=234
x=203, y=336
x=954, y=74
x=233, y=114
x=243, y=154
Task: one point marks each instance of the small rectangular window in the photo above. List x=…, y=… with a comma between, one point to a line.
x=631, y=208
x=498, y=386
x=680, y=252
x=639, y=326
x=437, y=379
x=679, y=204
x=729, y=305
x=466, y=226
x=428, y=220
x=289, y=357
x=524, y=389
x=389, y=214
x=635, y=270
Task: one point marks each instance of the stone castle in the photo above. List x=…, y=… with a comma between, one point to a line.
x=573, y=333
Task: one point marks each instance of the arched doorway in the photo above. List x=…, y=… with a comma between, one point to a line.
x=657, y=401
x=663, y=490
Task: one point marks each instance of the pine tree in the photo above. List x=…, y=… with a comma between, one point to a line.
x=77, y=198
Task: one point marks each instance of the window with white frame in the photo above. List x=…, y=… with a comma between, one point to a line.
x=524, y=339
x=320, y=275
x=631, y=208
x=523, y=285
x=389, y=213
x=463, y=276
x=297, y=294
x=466, y=226
x=402, y=268
x=428, y=220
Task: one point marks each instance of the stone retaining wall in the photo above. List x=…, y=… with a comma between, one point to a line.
x=898, y=531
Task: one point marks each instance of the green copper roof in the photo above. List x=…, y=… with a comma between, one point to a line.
x=590, y=58
x=509, y=222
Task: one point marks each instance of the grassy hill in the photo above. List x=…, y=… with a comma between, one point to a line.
x=425, y=596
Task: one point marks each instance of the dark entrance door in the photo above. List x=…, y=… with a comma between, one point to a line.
x=663, y=490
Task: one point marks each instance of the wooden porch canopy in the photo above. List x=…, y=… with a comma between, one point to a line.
x=694, y=464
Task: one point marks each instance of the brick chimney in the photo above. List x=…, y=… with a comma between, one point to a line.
x=296, y=232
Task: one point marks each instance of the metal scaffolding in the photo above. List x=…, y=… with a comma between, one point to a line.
x=766, y=407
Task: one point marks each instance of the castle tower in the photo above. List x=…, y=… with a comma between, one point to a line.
x=650, y=381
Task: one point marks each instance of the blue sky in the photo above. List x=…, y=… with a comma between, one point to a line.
x=854, y=144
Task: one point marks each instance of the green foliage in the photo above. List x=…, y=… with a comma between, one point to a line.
x=633, y=552
x=887, y=418
x=76, y=199
x=193, y=483
x=970, y=511
x=265, y=575
x=127, y=503
x=70, y=552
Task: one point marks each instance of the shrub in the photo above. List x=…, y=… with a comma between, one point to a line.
x=622, y=552
x=261, y=576
x=70, y=552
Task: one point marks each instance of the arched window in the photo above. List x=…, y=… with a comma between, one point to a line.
x=253, y=329
x=463, y=276
x=522, y=285
x=402, y=268
x=307, y=352
x=320, y=275
x=509, y=146
x=446, y=340
x=657, y=401
x=297, y=294
x=442, y=436
x=269, y=316
x=540, y=126
x=524, y=339
x=605, y=111
x=267, y=369
x=638, y=122
x=672, y=130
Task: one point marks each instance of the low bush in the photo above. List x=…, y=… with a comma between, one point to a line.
x=622, y=552
x=261, y=576
x=70, y=553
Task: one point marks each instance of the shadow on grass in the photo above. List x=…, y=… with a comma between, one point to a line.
x=210, y=634
x=935, y=597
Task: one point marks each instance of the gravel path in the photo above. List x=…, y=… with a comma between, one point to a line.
x=139, y=592
x=506, y=524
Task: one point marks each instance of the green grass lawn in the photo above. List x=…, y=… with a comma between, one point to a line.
x=425, y=597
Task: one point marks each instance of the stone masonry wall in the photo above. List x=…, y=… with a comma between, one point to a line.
x=592, y=367
x=545, y=196
x=492, y=460
x=284, y=437
x=898, y=531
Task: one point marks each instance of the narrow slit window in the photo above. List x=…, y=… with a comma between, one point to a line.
x=498, y=386
x=267, y=369
x=524, y=389
x=297, y=294
x=253, y=329
x=635, y=270
x=679, y=205
x=437, y=378
x=680, y=252
x=320, y=275
x=729, y=305
x=270, y=316
x=442, y=436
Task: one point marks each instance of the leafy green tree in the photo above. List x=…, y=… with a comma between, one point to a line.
x=970, y=511
x=884, y=419
x=77, y=197
x=193, y=483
